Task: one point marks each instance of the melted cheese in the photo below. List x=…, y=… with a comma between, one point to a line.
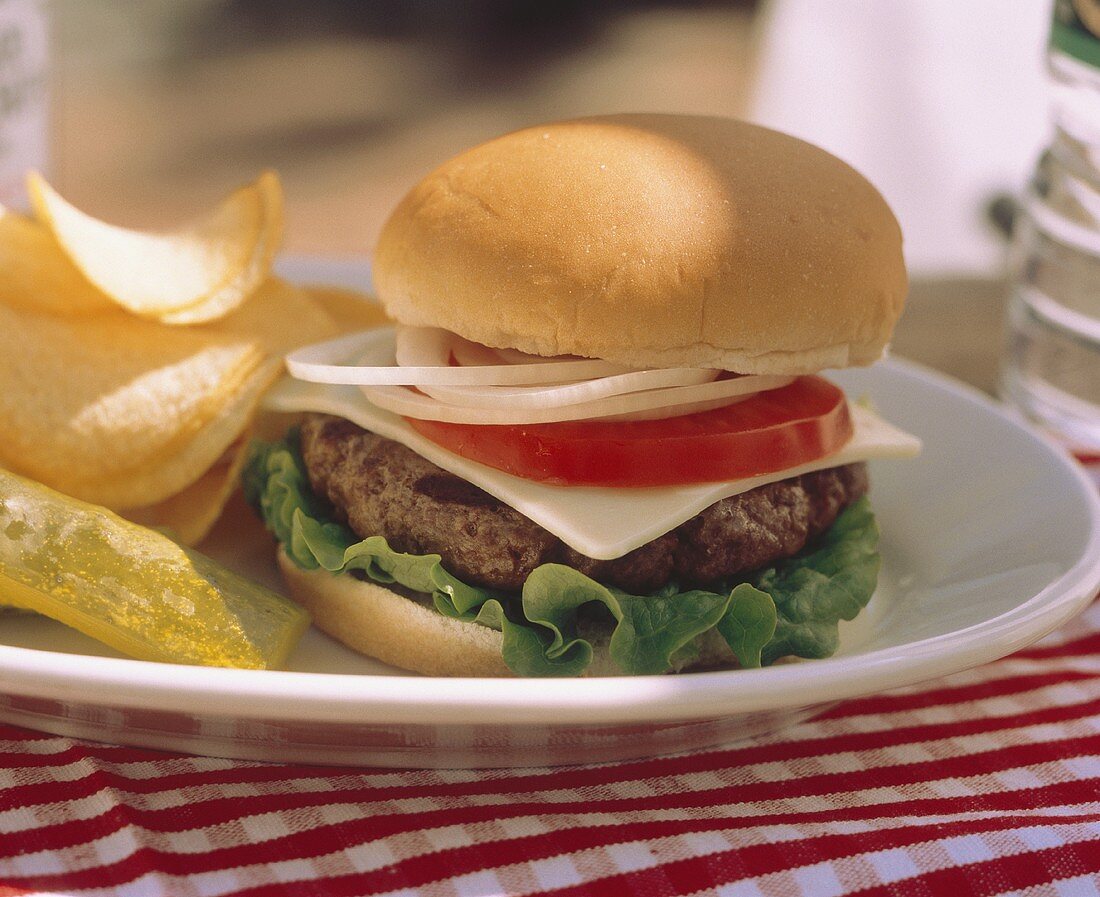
x=599, y=522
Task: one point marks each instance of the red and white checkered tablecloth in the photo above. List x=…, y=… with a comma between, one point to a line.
x=983, y=783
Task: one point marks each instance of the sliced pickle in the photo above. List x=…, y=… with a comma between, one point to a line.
x=133, y=588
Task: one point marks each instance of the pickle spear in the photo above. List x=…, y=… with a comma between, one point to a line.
x=133, y=588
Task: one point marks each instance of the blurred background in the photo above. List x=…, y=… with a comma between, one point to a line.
x=160, y=106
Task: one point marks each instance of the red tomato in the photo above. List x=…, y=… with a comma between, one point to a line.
x=775, y=430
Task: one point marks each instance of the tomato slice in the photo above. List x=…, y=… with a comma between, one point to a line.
x=774, y=430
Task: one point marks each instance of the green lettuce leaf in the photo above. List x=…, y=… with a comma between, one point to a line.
x=749, y=624
x=816, y=589
x=791, y=608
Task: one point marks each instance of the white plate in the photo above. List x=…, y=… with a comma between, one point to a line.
x=990, y=540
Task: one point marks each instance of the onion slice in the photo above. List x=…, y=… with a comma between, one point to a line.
x=466, y=352
x=408, y=403
x=428, y=346
x=558, y=396
x=337, y=361
x=528, y=390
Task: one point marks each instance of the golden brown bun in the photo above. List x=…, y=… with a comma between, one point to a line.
x=651, y=240
x=406, y=633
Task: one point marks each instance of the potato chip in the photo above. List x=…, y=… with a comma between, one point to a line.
x=191, y=514
x=160, y=477
x=165, y=477
x=127, y=413
x=93, y=397
x=37, y=275
x=188, y=276
x=100, y=400
x=279, y=316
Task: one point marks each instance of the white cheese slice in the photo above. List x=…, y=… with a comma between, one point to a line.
x=597, y=521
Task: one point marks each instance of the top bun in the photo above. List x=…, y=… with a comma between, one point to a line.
x=653, y=241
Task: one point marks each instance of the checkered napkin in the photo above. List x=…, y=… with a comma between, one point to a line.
x=983, y=783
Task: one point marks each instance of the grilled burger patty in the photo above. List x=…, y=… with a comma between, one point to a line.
x=380, y=487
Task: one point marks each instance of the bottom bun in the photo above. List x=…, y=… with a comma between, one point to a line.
x=403, y=632
x=404, y=629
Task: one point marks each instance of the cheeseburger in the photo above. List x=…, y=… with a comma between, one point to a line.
x=596, y=440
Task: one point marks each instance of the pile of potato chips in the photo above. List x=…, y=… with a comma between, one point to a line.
x=132, y=364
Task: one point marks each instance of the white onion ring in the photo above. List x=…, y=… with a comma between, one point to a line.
x=429, y=346
x=335, y=361
x=467, y=352
x=488, y=392
x=567, y=393
x=408, y=403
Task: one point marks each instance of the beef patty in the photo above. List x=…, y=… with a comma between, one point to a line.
x=380, y=487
